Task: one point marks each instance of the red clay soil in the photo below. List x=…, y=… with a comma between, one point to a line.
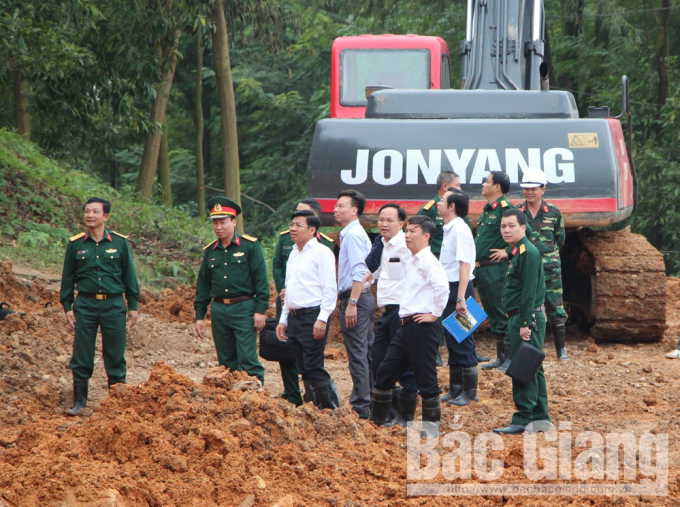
x=185, y=432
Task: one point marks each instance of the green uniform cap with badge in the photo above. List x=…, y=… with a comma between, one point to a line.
x=223, y=207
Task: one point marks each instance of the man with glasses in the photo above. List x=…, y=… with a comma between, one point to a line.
x=357, y=305
x=284, y=247
x=311, y=293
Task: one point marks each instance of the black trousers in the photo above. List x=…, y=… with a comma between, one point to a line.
x=464, y=353
x=309, y=353
x=388, y=326
x=416, y=346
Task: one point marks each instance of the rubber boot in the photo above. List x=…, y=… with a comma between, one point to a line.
x=506, y=352
x=455, y=383
x=394, y=409
x=470, y=378
x=408, y=402
x=560, y=347
x=500, y=355
x=310, y=393
x=432, y=413
x=381, y=402
x=113, y=381
x=80, y=387
x=327, y=394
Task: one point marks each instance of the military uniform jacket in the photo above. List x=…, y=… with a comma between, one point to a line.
x=547, y=233
x=230, y=272
x=430, y=210
x=283, y=249
x=101, y=268
x=489, y=228
x=524, y=287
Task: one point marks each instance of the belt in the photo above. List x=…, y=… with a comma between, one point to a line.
x=96, y=295
x=407, y=320
x=515, y=312
x=231, y=301
x=345, y=294
x=389, y=308
x=301, y=311
x=482, y=264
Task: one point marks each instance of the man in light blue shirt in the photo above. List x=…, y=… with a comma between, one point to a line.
x=357, y=305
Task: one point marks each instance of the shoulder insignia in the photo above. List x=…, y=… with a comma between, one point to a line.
x=551, y=205
x=119, y=234
x=504, y=204
x=494, y=205
x=429, y=205
x=522, y=249
x=326, y=237
x=249, y=238
x=77, y=236
x=209, y=245
x=283, y=233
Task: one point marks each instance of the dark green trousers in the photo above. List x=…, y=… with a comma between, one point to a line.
x=289, y=373
x=111, y=316
x=531, y=401
x=235, y=337
x=490, y=281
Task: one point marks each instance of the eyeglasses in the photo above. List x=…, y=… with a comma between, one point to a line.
x=387, y=220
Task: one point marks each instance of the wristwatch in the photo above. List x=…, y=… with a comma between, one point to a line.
x=353, y=301
x=460, y=300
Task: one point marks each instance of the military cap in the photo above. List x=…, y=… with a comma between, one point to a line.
x=222, y=207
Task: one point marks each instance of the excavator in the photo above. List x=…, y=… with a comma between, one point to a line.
x=391, y=143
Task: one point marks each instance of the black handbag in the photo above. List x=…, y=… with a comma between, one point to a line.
x=273, y=349
x=525, y=363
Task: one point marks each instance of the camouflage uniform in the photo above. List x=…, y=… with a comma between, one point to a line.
x=548, y=235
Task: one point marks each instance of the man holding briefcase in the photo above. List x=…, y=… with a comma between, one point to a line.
x=523, y=297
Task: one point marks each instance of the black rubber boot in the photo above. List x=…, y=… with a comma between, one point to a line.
x=327, y=394
x=394, y=409
x=432, y=413
x=80, y=387
x=500, y=355
x=560, y=346
x=381, y=402
x=310, y=393
x=455, y=383
x=113, y=381
x=408, y=402
x=506, y=352
x=470, y=378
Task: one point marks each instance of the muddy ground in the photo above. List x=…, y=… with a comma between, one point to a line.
x=183, y=432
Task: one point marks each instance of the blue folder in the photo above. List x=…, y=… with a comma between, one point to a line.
x=462, y=326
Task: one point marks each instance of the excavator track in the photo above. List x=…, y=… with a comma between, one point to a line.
x=618, y=280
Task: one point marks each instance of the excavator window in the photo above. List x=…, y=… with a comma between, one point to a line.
x=394, y=68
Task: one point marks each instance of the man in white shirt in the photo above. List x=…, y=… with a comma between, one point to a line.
x=310, y=298
x=388, y=270
x=357, y=305
x=458, y=258
x=423, y=299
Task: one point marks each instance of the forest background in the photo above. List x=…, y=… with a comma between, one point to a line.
x=169, y=102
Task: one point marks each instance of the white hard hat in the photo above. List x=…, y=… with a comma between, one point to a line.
x=533, y=177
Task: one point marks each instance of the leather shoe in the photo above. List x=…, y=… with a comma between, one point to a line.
x=513, y=429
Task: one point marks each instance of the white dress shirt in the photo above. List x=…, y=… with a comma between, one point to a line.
x=458, y=246
x=390, y=275
x=426, y=289
x=310, y=280
x=354, y=248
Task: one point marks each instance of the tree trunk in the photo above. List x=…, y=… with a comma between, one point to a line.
x=572, y=11
x=661, y=51
x=22, y=118
x=152, y=144
x=198, y=103
x=225, y=88
x=164, y=166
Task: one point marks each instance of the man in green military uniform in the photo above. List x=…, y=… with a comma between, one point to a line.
x=548, y=237
x=445, y=180
x=98, y=264
x=491, y=263
x=289, y=372
x=233, y=281
x=523, y=297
